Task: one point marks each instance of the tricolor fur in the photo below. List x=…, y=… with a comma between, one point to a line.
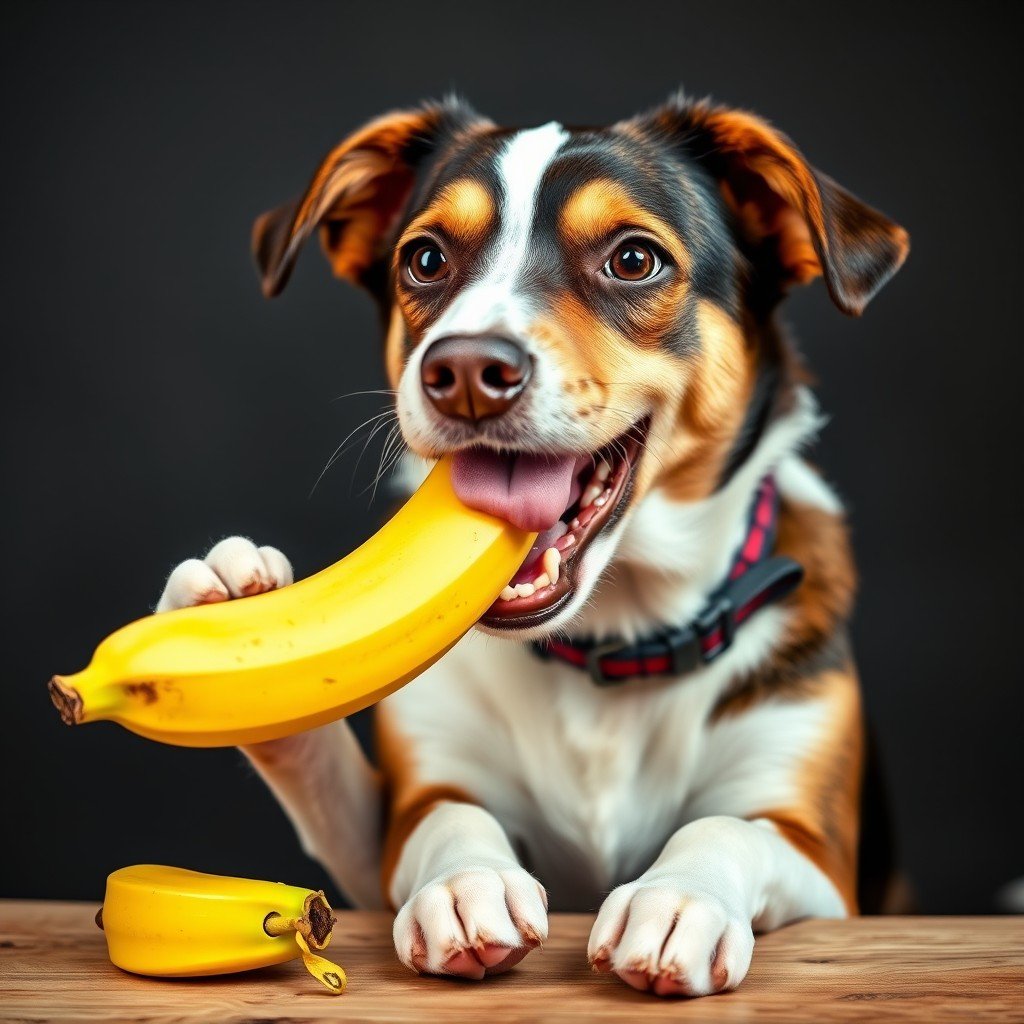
x=691, y=812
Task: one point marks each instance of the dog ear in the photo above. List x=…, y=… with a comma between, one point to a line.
x=356, y=194
x=794, y=222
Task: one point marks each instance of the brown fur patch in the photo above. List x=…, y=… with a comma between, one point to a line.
x=611, y=381
x=721, y=378
x=464, y=211
x=599, y=208
x=354, y=197
x=820, y=542
x=823, y=820
x=815, y=226
x=360, y=187
x=699, y=403
x=814, y=640
x=774, y=193
x=395, y=344
x=791, y=678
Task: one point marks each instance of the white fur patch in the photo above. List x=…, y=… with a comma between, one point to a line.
x=495, y=302
x=685, y=926
x=801, y=484
x=458, y=887
x=559, y=761
x=526, y=157
x=750, y=760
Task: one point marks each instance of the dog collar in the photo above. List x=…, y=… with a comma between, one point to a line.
x=755, y=578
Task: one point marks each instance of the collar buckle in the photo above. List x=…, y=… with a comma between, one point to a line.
x=594, y=655
x=684, y=651
x=716, y=622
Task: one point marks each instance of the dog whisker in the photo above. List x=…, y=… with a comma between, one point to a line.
x=343, y=446
x=393, y=449
x=378, y=427
x=373, y=391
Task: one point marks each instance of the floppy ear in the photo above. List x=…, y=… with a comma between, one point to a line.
x=356, y=194
x=794, y=222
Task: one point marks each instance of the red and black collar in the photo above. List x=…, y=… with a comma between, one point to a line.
x=755, y=578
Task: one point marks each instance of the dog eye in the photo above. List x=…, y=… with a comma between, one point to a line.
x=633, y=261
x=428, y=264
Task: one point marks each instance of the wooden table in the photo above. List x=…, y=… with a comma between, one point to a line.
x=54, y=967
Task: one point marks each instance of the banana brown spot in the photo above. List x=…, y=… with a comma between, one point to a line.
x=146, y=690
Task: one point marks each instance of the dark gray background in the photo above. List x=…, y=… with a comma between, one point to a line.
x=153, y=402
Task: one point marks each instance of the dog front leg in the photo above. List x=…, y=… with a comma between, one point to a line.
x=332, y=795
x=467, y=908
x=686, y=926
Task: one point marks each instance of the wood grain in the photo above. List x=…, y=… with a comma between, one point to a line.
x=53, y=967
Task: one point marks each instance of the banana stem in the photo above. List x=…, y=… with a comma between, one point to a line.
x=315, y=925
x=276, y=924
x=67, y=700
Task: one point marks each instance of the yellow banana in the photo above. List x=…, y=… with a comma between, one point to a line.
x=171, y=922
x=282, y=662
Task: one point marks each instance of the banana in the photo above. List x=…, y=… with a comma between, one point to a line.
x=171, y=922
x=292, y=659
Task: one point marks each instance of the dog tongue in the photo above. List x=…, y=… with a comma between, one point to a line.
x=526, y=490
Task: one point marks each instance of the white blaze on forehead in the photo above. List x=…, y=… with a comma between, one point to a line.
x=523, y=161
x=492, y=302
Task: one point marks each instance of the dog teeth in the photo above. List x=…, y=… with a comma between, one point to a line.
x=595, y=496
x=552, y=560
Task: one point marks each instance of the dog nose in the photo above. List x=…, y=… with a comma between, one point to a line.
x=472, y=378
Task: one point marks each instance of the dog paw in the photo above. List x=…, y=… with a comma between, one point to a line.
x=472, y=923
x=234, y=567
x=663, y=937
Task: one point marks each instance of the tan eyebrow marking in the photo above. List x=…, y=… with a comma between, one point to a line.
x=602, y=206
x=464, y=209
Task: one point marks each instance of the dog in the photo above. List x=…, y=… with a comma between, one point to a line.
x=659, y=716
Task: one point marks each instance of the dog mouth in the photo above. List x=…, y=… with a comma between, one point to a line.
x=567, y=499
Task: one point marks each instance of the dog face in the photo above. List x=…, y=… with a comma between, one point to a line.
x=580, y=316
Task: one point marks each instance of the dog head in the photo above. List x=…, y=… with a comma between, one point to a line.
x=582, y=316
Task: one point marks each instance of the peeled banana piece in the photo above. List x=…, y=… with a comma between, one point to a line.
x=268, y=666
x=172, y=922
